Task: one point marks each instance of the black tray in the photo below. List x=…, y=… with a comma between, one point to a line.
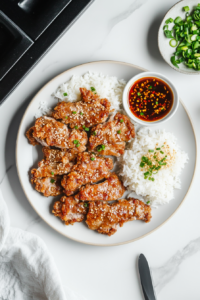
x=28, y=29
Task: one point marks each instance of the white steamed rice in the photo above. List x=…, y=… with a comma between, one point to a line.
x=160, y=191
x=106, y=86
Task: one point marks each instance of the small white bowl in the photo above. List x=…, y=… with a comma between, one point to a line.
x=126, y=98
x=163, y=43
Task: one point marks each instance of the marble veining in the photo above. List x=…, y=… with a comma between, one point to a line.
x=6, y=172
x=162, y=275
x=120, y=18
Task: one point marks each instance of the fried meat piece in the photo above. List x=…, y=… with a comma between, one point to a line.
x=110, y=189
x=89, y=168
x=69, y=210
x=105, y=217
x=50, y=169
x=56, y=155
x=109, y=138
x=113, y=149
x=91, y=110
x=48, y=186
x=29, y=135
x=49, y=132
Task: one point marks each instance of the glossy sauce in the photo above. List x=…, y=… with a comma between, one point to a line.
x=150, y=99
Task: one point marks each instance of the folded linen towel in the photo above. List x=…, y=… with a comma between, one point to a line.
x=27, y=269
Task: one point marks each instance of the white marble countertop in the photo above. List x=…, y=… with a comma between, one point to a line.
x=123, y=30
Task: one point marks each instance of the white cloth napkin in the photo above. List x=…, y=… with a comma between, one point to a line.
x=27, y=269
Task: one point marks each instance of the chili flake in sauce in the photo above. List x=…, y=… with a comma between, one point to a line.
x=150, y=99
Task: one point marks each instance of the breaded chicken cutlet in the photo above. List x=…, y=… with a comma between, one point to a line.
x=50, y=132
x=110, y=138
x=111, y=189
x=105, y=217
x=70, y=210
x=56, y=162
x=89, y=168
x=48, y=186
x=91, y=110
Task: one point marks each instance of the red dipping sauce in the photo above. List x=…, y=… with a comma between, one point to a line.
x=150, y=99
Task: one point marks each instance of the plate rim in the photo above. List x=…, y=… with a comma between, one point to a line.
x=158, y=40
x=65, y=235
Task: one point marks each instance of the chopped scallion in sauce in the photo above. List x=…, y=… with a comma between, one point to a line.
x=150, y=99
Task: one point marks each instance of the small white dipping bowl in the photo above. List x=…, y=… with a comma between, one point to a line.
x=126, y=98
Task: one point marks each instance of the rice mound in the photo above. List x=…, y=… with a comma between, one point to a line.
x=161, y=190
x=106, y=87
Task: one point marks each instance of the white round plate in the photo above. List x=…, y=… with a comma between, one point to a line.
x=27, y=156
x=163, y=43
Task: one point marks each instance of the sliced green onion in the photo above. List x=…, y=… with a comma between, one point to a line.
x=92, y=89
x=142, y=164
x=52, y=180
x=170, y=20
x=193, y=37
x=186, y=8
x=194, y=27
x=81, y=113
x=165, y=27
x=173, y=60
x=92, y=158
x=144, y=158
x=151, y=150
x=75, y=142
x=121, y=121
x=168, y=34
x=173, y=43
x=52, y=173
x=74, y=112
x=196, y=45
x=177, y=20
x=65, y=94
x=76, y=127
x=119, y=131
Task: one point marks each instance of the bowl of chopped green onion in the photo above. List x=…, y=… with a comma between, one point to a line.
x=179, y=37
